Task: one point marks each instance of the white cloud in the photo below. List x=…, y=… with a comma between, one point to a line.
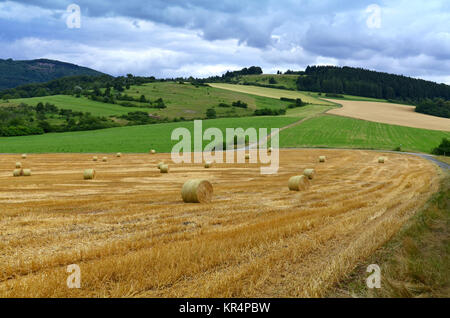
x=204, y=38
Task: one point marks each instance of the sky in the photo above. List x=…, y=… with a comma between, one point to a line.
x=172, y=38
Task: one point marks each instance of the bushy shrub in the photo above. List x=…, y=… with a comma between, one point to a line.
x=269, y=112
x=443, y=149
x=240, y=104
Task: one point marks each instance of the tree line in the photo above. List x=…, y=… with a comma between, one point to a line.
x=24, y=120
x=230, y=75
x=362, y=82
x=430, y=97
x=74, y=85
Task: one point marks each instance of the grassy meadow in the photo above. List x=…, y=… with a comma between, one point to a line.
x=336, y=131
x=182, y=100
x=271, y=92
x=128, y=139
x=286, y=80
x=80, y=104
x=189, y=101
x=347, y=97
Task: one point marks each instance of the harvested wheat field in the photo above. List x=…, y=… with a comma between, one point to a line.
x=389, y=113
x=132, y=235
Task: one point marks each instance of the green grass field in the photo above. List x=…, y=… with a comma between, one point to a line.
x=188, y=101
x=127, y=139
x=288, y=81
x=321, y=131
x=307, y=111
x=182, y=100
x=342, y=132
x=185, y=100
x=81, y=104
x=347, y=97
x=271, y=92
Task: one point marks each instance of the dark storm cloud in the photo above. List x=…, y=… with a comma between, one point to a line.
x=176, y=37
x=250, y=21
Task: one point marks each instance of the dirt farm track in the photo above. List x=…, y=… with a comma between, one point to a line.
x=132, y=235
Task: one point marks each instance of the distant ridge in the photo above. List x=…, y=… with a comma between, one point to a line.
x=17, y=73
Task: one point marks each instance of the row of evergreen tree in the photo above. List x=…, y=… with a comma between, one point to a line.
x=362, y=82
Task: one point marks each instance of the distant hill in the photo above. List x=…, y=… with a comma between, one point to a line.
x=17, y=73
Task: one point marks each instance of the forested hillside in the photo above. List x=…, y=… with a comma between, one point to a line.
x=16, y=73
x=429, y=96
x=74, y=85
x=361, y=82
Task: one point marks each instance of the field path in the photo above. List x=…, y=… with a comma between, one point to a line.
x=389, y=113
x=263, y=141
x=270, y=92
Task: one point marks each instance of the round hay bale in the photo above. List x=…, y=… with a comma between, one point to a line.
x=309, y=173
x=26, y=172
x=322, y=159
x=164, y=169
x=105, y=159
x=298, y=183
x=18, y=165
x=24, y=156
x=95, y=158
x=381, y=160
x=197, y=191
x=208, y=164
x=152, y=151
x=118, y=155
x=89, y=174
x=160, y=164
x=17, y=172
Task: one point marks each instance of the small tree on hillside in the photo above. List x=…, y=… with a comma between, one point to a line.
x=211, y=113
x=443, y=149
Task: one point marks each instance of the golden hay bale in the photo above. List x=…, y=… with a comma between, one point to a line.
x=18, y=165
x=309, y=173
x=298, y=183
x=26, y=172
x=208, y=164
x=95, y=158
x=24, y=156
x=17, y=172
x=197, y=191
x=164, y=169
x=322, y=159
x=118, y=155
x=89, y=174
x=152, y=151
x=105, y=159
x=381, y=160
x=160, y=164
